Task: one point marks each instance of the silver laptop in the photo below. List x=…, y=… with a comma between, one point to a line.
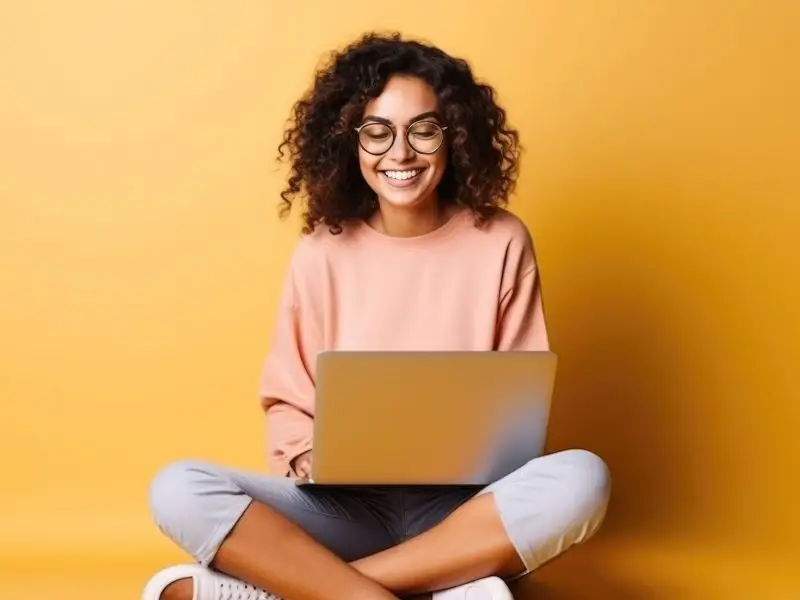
x=429, y=418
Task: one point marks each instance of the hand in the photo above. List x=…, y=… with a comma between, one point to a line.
x=302, y=465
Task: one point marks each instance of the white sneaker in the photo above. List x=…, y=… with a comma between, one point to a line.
x=490, y=588
x=207, y=585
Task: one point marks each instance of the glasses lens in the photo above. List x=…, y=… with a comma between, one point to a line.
x=376, y=138
x=425, y=137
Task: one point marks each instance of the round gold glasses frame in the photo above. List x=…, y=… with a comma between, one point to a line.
x=378, y=138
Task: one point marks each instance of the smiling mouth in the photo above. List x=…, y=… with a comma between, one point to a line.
x=402, y=175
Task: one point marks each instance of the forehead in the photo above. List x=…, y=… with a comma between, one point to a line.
x=403, y=98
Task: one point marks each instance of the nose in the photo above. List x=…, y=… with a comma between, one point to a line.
x=400, y=149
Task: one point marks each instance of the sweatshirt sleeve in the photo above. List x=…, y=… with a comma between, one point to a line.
x=287, y=387
x=521, y=321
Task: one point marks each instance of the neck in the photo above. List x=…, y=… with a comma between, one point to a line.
x=409, y=222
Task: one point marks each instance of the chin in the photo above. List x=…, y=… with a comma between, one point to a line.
x=402, y=200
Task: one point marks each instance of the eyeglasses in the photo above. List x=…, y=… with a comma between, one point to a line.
x=424, y=137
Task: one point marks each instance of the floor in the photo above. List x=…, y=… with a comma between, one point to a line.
x=602, y=571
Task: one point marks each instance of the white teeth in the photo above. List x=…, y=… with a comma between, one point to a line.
x=402, y=174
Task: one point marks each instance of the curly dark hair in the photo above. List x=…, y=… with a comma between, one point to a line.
x=483, y=149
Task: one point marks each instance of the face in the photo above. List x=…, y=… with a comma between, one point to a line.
x=405, y=174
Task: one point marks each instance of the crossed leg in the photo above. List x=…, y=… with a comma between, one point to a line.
x=241, y=525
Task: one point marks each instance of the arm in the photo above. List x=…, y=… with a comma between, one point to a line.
x=288, y=382
x=521, y=320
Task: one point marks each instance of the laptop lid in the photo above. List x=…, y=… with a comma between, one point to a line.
x=429, y=418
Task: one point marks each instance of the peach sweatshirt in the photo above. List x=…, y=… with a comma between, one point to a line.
x=457, y=288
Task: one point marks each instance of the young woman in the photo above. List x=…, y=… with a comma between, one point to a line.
x=405, y=162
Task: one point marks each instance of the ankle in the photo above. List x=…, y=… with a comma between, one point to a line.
x=181, y=589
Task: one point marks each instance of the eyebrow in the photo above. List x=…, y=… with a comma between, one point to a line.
x=432, y=114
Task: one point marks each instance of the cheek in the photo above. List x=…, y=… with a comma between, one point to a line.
x=438, y=164
x=368, y=163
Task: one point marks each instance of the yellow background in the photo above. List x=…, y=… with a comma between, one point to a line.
x=141, y=257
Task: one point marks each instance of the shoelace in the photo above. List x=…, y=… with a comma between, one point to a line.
x=238, y=590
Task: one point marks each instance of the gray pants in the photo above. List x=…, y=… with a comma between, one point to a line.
x=546, y=506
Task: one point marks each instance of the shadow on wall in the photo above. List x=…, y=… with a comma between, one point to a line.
x=617, y=329
x=614, y=325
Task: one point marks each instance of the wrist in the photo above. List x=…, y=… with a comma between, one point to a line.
x=294, y=462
